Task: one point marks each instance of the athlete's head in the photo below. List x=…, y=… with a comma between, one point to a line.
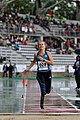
x=41, y=45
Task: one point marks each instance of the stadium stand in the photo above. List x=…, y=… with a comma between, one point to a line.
x=24, y=54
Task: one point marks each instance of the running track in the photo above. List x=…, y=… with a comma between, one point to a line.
x=54, y=102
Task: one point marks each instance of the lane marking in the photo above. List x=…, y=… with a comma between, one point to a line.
x=67, y=101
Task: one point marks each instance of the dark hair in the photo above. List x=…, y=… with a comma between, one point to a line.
x=77, y=57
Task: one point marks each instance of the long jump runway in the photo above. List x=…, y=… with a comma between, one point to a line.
x=54, y=102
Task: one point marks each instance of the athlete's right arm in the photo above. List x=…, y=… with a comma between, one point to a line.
x=32, y=63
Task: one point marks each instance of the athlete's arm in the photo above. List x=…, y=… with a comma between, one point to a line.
x=32, y=63
x=50, y=61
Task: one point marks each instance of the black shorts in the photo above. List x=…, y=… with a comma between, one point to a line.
x=44, y=79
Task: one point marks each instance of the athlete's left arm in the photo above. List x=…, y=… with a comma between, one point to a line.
x=50, y=61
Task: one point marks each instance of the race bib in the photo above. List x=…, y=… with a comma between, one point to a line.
x=42, y=65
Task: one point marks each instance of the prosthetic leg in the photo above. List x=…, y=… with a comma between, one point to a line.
x=42, y=102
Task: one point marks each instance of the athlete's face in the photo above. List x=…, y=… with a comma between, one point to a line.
x=41, y=45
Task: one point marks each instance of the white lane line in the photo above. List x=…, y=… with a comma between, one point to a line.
x=66, y=100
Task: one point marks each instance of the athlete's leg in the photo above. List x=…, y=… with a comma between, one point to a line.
x=48, y=78
x=41, y=81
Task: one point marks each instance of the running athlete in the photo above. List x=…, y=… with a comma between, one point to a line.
x=44, y=61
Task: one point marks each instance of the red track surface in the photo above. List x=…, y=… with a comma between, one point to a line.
x=54, y=103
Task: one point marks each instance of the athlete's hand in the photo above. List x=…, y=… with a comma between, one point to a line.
x=40, y=58
x=25, y=71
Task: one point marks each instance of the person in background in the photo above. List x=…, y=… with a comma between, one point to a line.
x=76, y=66
x=10, y=70
x=67, y=44
x=44, y=62
x=5, y=70
x=14, y=70
x=67, y=71
x=1, y=59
